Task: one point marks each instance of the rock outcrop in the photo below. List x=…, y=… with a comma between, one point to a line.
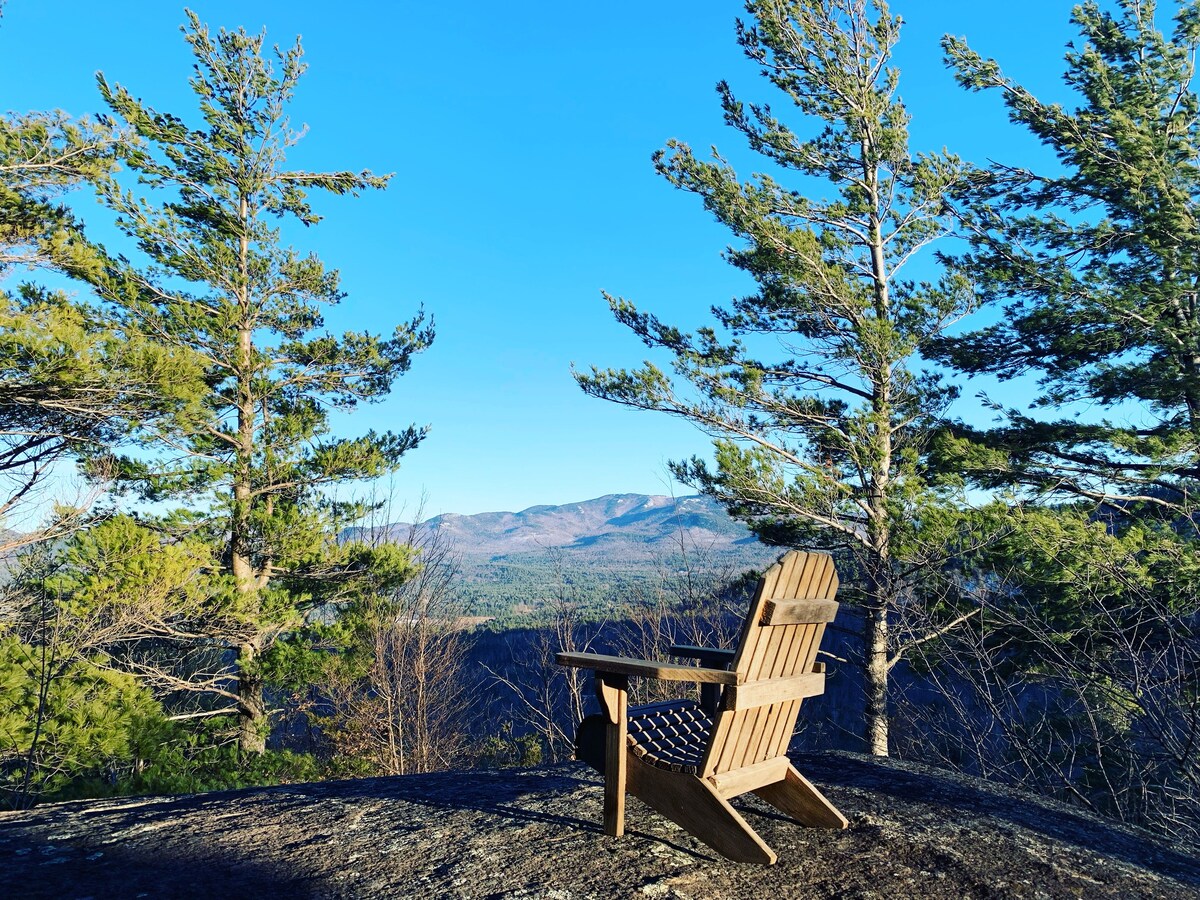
x=914, y=832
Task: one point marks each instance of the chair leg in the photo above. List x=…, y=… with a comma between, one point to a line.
x=614, y=779
x=613, y=693
x=694, y=806
x=797, y=797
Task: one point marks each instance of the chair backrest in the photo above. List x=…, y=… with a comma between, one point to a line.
x=780, y=638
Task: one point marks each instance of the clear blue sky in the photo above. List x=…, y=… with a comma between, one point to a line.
x=520, y=134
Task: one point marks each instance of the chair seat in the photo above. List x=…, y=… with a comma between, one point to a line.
x=671, y=734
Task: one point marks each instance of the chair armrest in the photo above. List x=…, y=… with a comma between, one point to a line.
x=709, y=656
x=619, y=665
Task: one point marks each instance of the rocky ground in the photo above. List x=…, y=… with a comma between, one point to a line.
x=914, y=832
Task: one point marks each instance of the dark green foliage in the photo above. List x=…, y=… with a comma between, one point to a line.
x=1080, y=677
x=189, y=760
x=507, y=751
x=43, y=155
x=71, y=711
x=1095, y=263
x=73, y=380
x=66, y=719
x=73, y=384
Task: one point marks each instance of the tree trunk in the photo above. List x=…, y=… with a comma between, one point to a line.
x=252, y=708
x=876, y=685
x=881, y=376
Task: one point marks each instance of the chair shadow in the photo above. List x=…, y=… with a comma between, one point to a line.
x=499, y=791
x=488, y=791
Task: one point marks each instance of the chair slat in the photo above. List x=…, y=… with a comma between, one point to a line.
x=720, y=750
x=766, y=722
x=801, y=582
x=766, y=588
x=780, y=734
x=796, y=581
x=728, y=746
x=784, y=737
x=761, y=724
x=765, y=664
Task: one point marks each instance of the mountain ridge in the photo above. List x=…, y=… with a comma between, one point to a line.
x=632, y=525
x=599, y=553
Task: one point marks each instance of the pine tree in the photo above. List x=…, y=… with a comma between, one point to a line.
x=66, y=711
x=1096, y=264
x=255, y=463
x=813, y=386
x=1091, y=268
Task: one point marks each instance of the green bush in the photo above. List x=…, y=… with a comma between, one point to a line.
x=63, y=722
x=506, y=751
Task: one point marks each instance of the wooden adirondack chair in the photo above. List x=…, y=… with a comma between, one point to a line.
x=687, y=759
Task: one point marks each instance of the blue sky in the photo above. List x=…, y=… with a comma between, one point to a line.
x=520, y=134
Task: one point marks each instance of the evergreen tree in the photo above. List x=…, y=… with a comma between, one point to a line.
x=254, y=463
x=66, y=712
x=63, y=719
x=814, y=387
x=1096, y=264
x=73, y=383
x=1091, y=267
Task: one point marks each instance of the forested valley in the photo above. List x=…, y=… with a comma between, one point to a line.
x=222, y=606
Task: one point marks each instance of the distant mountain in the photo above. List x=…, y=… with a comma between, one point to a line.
x=623, y=525
x=595, y=551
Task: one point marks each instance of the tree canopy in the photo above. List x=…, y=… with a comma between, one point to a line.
x=1095, y=265
x=72, y=379
x=253, y=461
